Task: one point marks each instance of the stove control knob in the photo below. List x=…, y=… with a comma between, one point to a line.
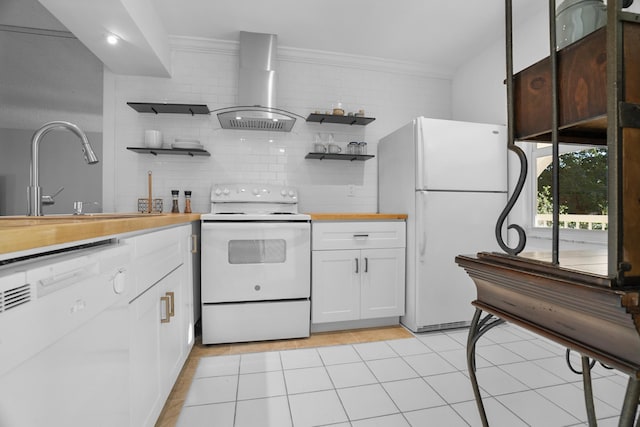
x=283, y=192
x=256, y=191
x=218, y=192
x=292, y=193
x=226, y=191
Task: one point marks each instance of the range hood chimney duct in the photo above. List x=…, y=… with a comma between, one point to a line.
x=257, y=88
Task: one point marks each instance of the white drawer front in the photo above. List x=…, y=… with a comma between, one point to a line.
x=156, y=254
x=358, y=234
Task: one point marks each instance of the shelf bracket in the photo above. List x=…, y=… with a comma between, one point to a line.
x=154, y=110
x=153, y=152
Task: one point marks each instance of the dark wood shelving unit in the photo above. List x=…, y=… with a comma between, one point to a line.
x=586, y=93
x=175, y=151
x=342, y=120
x=163, y=108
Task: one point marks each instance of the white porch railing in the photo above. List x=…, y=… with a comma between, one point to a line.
x=579, y=222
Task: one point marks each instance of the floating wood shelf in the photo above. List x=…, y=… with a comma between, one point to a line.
x=161, y=108
x=331, y=156
x=343, y=120
x=176, y=151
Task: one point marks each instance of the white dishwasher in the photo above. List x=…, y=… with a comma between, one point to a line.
x=64, y=339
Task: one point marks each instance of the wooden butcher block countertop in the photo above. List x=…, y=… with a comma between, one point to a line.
x=19, y=233
x=355, y=216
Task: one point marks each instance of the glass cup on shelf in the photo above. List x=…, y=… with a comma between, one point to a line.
x=353, y=148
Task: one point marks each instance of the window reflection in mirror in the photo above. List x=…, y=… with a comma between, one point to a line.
x=583, y=187
x=583, y=204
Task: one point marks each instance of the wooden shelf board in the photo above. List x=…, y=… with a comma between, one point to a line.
x=175, y=151
x=330, y=156
x=163, y=108
x=343, y=120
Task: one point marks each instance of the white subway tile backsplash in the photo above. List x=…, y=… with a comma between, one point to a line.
x=210, y=77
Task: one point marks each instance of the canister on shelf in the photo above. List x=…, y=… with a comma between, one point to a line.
x=362, y=148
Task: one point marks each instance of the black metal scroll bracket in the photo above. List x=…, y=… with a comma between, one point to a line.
x=629, y=405
x=477, y=329
x=522, y=237
x=587, y=365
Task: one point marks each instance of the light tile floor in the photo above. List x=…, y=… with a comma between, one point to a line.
x=416, y=381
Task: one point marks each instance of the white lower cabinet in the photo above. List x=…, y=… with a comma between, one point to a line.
x=161, y=319
x=358, y=270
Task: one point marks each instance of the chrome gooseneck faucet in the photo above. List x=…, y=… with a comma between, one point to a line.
x=34, y=192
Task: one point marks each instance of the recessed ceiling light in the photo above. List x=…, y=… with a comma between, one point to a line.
x=112, y=39
x=238, y=118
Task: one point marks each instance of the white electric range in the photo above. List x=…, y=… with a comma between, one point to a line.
x=256, y=265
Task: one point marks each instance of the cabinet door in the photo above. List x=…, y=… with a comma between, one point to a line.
x=171, y=300
x=144, y=368
x=335, y=289
x=383, y=283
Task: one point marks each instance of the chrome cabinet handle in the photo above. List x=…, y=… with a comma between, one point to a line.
x=357, y=269
x=366, y=264
x=355, y=236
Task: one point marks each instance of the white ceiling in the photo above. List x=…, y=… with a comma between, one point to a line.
x=439, y=33
x=444, y=33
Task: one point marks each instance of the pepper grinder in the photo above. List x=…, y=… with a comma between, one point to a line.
x=174, y=204
x=187, y=201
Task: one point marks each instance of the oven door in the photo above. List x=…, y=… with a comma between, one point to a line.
x=255, y=261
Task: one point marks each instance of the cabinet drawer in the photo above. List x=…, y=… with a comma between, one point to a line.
x=358, y=235
x=155, y=255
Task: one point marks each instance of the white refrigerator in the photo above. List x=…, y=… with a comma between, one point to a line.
x=450, y=177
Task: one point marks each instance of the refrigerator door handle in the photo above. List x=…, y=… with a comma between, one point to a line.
x=420, y=155
x=421, y=231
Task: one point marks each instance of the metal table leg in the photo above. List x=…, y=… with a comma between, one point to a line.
x=588, y=391
x=478, y=328
x=630, y=404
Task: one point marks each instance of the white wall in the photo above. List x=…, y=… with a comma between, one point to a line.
x=205, y=72
x=48, y=77
x=478, y=91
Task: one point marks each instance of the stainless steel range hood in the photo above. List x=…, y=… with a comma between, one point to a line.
x=257, y=88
